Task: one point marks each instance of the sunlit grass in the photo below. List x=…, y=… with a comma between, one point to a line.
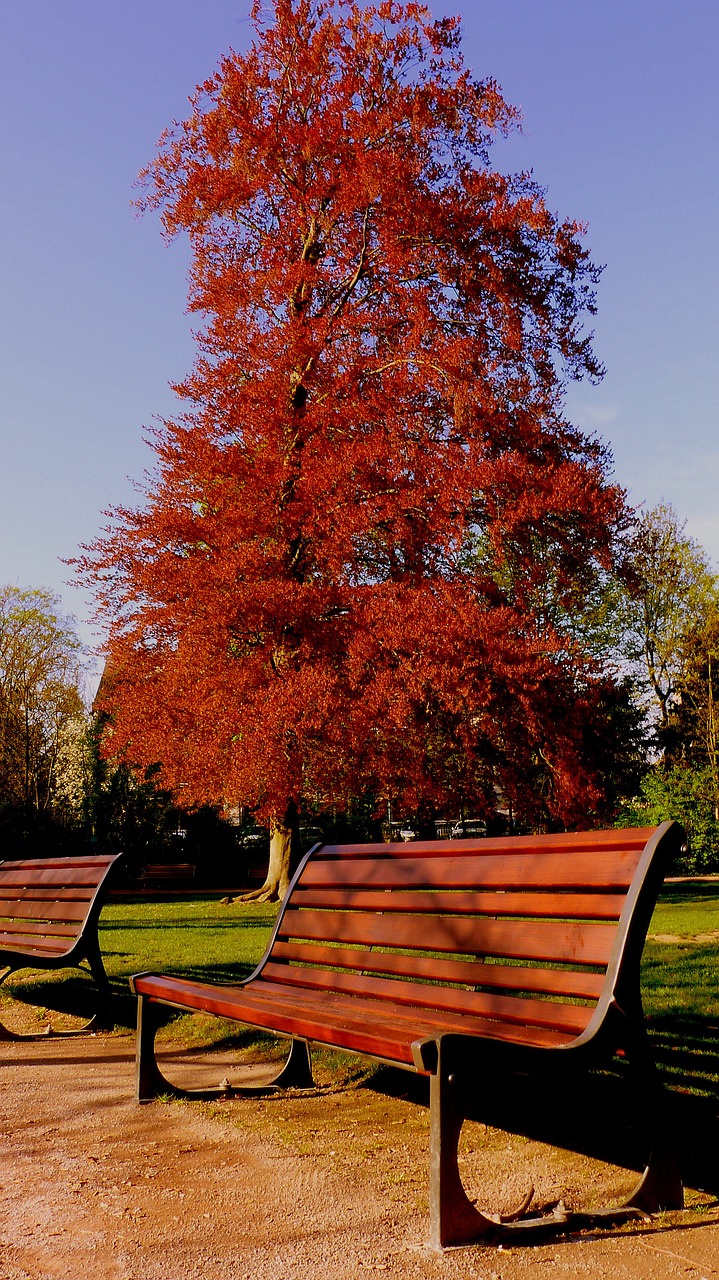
x=201, y=937
x=686, y=910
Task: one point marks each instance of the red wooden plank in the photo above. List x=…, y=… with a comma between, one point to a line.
x=38, y=929
x=569, y=1018
x=417, y=1023
x=579, y=906
x=594, y=841
x=19, y=944
x=317, y=1024
x=38, y=910
x=33, y=893
x=550, y=871
x=472, y=973
x=588, y=944
x=65, y=876
x=100, y=861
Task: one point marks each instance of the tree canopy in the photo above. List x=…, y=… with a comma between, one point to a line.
x=354, y=564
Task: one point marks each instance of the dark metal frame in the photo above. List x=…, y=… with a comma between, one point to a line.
x=457, y=1064
x=149, y=1080
x=85, y=947
x=616, y=1025
x=150, y=1083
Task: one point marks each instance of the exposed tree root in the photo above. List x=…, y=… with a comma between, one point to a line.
x=268, y=892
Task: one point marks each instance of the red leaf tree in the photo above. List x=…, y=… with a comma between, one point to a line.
x=363, y=533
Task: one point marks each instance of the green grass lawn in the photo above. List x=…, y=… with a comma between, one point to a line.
x=687, y=908
x=681, y=987
x=201, y=937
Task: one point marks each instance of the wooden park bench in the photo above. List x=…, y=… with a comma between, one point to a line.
x=49, y=909
x=164, y=873
x=465, y=961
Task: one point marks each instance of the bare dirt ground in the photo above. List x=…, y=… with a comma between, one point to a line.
x=330, y=1186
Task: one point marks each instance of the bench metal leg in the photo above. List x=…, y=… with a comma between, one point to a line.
x=295, y=1073
x=102, y=1020
x=660, y=1186
x=453, y=1219
x=456, y=1220
x=149, y=1080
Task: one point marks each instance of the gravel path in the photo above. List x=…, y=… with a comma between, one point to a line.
x=330, y=1187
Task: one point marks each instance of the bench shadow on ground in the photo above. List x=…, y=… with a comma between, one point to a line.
x=591, y=1113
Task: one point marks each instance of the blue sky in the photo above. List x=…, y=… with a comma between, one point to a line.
x=621, y=125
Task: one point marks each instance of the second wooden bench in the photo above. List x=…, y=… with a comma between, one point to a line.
x=49, y=911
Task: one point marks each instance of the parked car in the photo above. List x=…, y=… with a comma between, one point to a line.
x=469, y=829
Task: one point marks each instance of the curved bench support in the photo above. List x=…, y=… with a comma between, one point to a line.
x=100, y=1021
x=295, y=1073
x=456, y=1220
x=660, y=1186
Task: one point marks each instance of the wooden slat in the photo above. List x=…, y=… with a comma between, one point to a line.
x=33, y=893
x=21, y=944
x=38, y=929
x=99, y=861
x=472, y=973
x=588, y=944
x=417, y=1022
x=630, y=838
x=250, y=1008
x=551, y=871
x=38, y=910
x=62, y=877
x=579, y=906
x=569, y=1018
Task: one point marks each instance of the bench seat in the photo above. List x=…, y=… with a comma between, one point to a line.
x=358, y=1024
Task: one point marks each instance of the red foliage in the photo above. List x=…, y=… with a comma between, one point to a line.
x=340, y=577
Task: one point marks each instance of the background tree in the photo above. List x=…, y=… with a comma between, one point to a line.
x=682, y=792
x=667, y=623
x=671, y=591
x=42, y=712
x=694, y=724
x=338, y=582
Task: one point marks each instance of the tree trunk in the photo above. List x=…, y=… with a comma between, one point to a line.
x=284, y=859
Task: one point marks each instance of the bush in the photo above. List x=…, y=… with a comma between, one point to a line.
x=686, y=794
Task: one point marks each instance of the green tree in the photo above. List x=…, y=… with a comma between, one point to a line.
x=682, y=792
x=670, y=590
x=125, y=811
x=693, y=731
x=41, y=704
x=668, y=634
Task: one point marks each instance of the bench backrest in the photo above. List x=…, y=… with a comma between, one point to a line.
x=533, y=930
x=45, y=903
